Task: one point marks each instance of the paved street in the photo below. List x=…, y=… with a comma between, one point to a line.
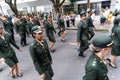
x=66, y=64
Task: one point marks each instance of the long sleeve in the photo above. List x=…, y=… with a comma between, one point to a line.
x=49, y=56
x=91, y=74
x=79, y=32
x=35, y=60
x=13, y=43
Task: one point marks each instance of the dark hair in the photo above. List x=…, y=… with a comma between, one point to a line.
x=33, y=35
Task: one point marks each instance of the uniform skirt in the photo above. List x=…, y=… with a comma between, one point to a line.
x=11, y=61
x=51, y=37
x=115, y=50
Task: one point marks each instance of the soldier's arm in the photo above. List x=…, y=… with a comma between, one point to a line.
x=49, y=56
x=16, y=27
x=87, y=22
x=91, y=73
x=46, y=29
x=118, y=33
x=79, y=32
x=35, y=60
x=92, y=25
x=1, y=54
x=54, y=30
x=13, y=42
x=4, y=25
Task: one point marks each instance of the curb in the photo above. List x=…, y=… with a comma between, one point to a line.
x=94, y=30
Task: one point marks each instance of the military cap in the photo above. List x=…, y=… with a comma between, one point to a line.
x=89, y=10
x=48, y=16
x=37, y=29
x=82, y=12
x=102, y=41
x=116, y=20
x=116, y=12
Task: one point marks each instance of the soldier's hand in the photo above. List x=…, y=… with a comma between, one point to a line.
x=43, y=76
x=2, y=60
x=51, y=62
x=78, y=43
x=20, y=50
x=94, y=28
x=47, y=38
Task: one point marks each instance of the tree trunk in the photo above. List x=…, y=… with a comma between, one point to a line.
x=14, y=9
x=88, y=3
x=13, y=6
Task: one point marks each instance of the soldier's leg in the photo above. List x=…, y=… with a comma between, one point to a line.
x=24, y=38
x=86, y=45
x=48, y=76
x=49, y=73
x=83, y=46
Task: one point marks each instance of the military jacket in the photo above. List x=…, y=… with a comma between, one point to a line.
x=95, y=69
x=116, y=35
x=40, y=55
x=8, y=26
x=62, y=25
x=36, y=21
x=5, y=48
x=20, y=27
x=89, y=22
x=82, y=31
x=49, y=29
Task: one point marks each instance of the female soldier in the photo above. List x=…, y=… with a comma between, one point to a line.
x=40, y=54
x=82, y=34
x=96, y=68
x=7, y=54
x=62, y=28
x=50, y=32
x=116, y=40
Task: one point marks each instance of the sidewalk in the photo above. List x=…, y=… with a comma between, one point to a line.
x=96, y=23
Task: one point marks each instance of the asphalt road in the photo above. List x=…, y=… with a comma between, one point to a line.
x=67, y=65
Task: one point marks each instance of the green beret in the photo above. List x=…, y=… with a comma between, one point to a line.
x=102, y=41
x=37, y=29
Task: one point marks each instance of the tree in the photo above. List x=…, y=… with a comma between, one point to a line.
x=13, y=6
x=88, y=3
x=72, y=4
x=57, y=5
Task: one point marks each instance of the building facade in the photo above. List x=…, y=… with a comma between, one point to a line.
x=46, y=5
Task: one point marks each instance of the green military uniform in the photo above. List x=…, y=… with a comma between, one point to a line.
x=82, y=36
x=21, y=29
x=8, y=26
x=36, y=21
x=29, y=26
x=6, y=51
x=89, y=24
x=116, y=38
x=50, y=31
x=62, y=25
x=41, y=57
x=95, y=68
